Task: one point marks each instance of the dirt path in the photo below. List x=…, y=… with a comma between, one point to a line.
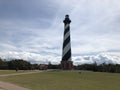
x=9, y=86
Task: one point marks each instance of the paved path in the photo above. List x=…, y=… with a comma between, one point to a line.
x=19, y=73
x=9, y=86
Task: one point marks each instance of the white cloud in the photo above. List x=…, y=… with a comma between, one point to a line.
x=108, y=58
x=94, y=28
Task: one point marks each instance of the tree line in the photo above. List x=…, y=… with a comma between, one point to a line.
x=113, y=68
x=20, y=64
x=14, y=64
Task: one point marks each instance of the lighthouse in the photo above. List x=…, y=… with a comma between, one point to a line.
x=66, y=63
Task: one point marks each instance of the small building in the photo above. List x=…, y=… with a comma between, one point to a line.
x=43, y=67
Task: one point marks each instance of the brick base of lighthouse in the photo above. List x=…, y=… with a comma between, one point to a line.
x=66, y=65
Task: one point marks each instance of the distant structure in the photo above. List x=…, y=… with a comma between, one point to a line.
x=66, y=63
x=43, y=67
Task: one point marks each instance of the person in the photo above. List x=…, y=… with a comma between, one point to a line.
x=16, y=69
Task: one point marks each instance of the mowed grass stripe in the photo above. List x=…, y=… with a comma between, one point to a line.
x=67, y=81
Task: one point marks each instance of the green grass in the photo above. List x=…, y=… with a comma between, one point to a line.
x=67, y=81
x=7, y=72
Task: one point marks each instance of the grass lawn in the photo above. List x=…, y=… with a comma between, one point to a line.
x=65, y=80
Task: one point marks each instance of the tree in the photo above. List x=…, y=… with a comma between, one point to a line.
x=3, y=64
x=19, y=64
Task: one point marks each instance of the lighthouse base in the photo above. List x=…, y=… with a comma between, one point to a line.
x=66, y=65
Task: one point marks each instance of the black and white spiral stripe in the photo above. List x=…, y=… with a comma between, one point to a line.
x=66, y=55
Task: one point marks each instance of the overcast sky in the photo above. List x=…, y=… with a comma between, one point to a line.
x=33, y=29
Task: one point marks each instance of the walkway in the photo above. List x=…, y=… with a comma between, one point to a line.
x=9, y=86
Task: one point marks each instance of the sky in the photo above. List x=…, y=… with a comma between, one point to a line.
x=33, y=30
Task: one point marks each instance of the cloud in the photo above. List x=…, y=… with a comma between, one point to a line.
x=36, y=28
x=108, y=58
x=28, y=9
